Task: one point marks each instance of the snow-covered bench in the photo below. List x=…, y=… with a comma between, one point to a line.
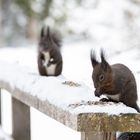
x=72, y=104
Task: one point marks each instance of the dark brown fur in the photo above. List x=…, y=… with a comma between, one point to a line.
x=50, y=42
x=114, y=80
x=129, y=136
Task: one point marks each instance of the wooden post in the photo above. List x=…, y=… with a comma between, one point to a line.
x=98, y=136
x=21, y=120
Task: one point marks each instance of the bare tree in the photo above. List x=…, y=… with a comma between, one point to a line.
x=5, y=17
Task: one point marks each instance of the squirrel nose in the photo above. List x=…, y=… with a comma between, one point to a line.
x=97, y=93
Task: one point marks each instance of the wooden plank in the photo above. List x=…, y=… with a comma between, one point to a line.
x=102, y=122
x=83, y=122
x=20, y=120
x=98, y=136
x=29, y=94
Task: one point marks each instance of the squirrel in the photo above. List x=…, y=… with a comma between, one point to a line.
x=50, y=61
x=116, y=81
x=129, y=136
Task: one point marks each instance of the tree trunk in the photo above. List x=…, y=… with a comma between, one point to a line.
x=5, y=18
x=31, y=29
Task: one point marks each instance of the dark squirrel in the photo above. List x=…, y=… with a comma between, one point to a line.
x=116, y=81
x=50, y=61
x=129, y=136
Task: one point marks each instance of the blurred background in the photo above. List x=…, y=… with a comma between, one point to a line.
x=101, y=21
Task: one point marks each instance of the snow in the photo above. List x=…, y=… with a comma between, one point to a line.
x=75, y=99
x=77, y=68
x=65, y=95
x=4, y=136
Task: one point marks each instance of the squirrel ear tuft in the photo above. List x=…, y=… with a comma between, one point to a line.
x=49, y=34
x=104, y=63
x=102, y=56
x=93, y=58
x=42, y=34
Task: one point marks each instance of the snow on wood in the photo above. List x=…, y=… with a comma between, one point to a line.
x=4, y=136
x=66, y=101
x=68, y=95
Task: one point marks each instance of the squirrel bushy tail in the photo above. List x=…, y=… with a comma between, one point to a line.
x=51, y=35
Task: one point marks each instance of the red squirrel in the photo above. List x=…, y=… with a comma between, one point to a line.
x=116, y=81
x=50, y=61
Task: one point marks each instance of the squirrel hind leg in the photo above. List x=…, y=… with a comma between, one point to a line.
x=135, y=106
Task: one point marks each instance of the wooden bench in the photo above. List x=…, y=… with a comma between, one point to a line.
x=31, y=90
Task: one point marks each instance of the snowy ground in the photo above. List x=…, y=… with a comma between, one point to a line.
x=77, y=67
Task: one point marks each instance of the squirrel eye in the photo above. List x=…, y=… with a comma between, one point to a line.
x=101, y=77
x=42, y=57
x=52, y=59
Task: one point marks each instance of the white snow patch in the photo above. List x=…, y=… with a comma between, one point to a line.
x=4, y=136
x=53, y=90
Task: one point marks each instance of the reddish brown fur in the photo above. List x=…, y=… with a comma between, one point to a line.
x=113, y=80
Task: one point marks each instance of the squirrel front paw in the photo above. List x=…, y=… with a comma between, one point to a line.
x=104, y=100
x=108, y=100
